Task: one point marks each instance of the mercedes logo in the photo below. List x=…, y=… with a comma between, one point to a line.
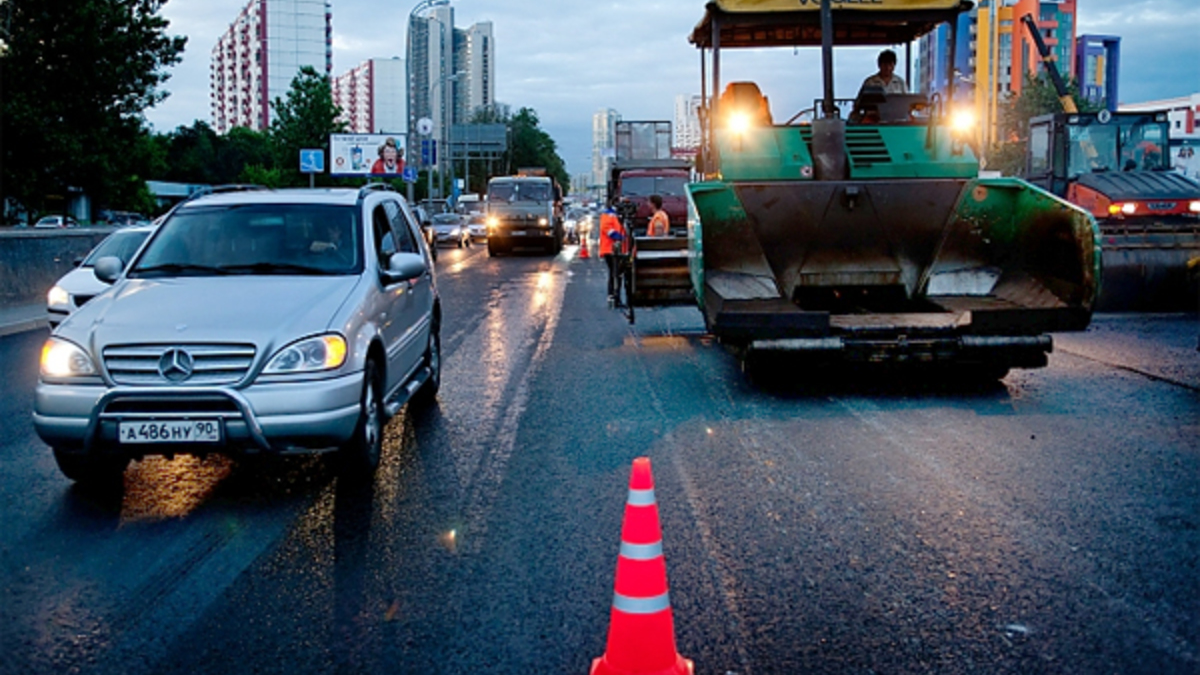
x=176, y=365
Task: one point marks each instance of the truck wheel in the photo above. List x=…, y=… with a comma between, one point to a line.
x=91, y=469
x=426, y=395
x=360, y=455
x=493, y=249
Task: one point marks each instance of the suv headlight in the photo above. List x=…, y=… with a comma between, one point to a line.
x=543, y=222
x=65, y=359
x=310, y=355
x=58, y=297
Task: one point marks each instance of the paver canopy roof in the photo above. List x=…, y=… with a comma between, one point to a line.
x=780, y=23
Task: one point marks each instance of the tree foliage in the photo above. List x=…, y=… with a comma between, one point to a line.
x=304, y=119
x=529, y=145
x=78, y=74
x=198, y=154
x=1038, y=97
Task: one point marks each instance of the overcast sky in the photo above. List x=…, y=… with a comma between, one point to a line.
x=567, y=59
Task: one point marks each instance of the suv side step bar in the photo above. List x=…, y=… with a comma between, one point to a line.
x=407, y=391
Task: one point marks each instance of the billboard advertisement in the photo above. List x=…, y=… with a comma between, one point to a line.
x=366, y=155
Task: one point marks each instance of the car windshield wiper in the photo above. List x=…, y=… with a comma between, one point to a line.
x=180, y=268
x=275, y=268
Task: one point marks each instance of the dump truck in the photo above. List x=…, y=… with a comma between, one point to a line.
x=859, y=230
x=1117, y=166
x=643, y=166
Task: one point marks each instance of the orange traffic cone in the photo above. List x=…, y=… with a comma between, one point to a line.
x=583, y=252
x=641, y=634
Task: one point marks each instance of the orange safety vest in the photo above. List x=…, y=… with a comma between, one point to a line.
x=660, y=225
x=609, y=223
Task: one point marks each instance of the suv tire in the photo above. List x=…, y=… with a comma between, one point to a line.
x=426, y=395
x=360, y=455
x=90, y=468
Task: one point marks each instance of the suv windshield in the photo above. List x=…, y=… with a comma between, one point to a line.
x=254, y=239
x=120, y=244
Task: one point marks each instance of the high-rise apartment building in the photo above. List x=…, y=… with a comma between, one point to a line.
x=687, y=122
x=478, y=61
x=371, y=96
x=1097, y=64
x=453, y=71
x=255, y=61
x=604, y=142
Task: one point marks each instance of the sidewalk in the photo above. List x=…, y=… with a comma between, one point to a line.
x=21, y=318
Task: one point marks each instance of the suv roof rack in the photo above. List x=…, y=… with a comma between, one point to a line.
x=373, y=187
x=214, y=190
x=221, y=189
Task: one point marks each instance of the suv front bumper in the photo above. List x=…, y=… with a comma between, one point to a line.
x=279, y=418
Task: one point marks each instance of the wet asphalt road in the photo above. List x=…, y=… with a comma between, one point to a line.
x=1049, y=523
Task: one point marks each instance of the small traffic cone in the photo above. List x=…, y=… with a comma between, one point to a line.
x=583, y=252
x=641, y=633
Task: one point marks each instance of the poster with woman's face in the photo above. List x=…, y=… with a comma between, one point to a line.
x=367, y=155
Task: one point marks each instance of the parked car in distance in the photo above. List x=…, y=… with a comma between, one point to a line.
x=55, y=222
x=448, y=228
x=80, y=285
x=251, y=323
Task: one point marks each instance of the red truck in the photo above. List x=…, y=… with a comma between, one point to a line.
x=643, y=166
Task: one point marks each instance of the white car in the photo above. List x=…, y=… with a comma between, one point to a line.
x=55, y=222
x=79, y=285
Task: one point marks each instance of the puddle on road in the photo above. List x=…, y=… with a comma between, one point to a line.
x=160, y=489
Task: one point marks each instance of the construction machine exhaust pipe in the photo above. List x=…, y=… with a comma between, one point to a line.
x=829, y=132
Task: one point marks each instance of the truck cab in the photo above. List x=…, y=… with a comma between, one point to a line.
x=636, y=185
x=522, y=212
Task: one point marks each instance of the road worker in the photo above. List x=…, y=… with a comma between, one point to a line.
x=612, y=235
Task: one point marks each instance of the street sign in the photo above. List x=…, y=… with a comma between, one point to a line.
x=410, y=174
x=428, y=152
x=312, y=161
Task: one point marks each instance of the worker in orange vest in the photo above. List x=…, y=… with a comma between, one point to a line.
x=660, y=224
x=612, y=233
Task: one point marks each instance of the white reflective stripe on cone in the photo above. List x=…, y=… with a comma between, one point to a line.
x=640, y=497
x=652, y=605
x=641, y=551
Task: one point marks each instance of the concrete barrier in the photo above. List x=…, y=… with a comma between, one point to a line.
x=32, y=260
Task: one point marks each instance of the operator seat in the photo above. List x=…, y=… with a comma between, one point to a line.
x=748, y=99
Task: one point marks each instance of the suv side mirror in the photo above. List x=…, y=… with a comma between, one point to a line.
x=403, y=266
x=108, y=268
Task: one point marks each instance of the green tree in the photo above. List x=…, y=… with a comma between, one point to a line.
x=529, y=145
x=198, y=154
x=1038, y=97
x=303, y=120
x=78, y=75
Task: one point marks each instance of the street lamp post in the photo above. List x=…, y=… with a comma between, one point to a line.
x=408, y=99
x=442, y=129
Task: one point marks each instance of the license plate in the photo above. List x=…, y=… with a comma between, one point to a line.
x=518, y=233
x=170, y=431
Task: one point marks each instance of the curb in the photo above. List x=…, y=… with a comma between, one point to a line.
x=23, y=326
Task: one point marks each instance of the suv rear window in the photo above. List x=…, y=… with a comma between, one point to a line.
x=254, y=239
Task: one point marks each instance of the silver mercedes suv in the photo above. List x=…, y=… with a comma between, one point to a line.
x=253, y=322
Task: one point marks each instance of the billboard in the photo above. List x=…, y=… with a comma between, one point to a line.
x=366, y=155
